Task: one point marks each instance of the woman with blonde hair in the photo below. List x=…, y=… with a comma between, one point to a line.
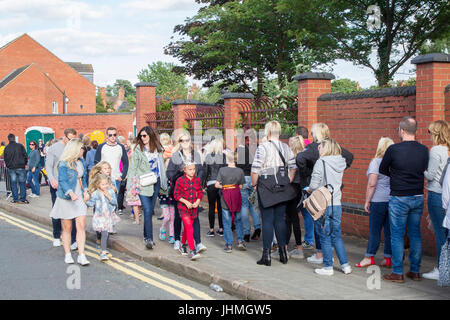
x=439, y=153
x=271, y=157
x=297, y=145
x=329, y=170
x=214, y=160
x=377, y=206
x=183, y=152
x=71, y=196
x=306, y=161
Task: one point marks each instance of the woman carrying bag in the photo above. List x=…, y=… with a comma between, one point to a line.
x=328, y=171
x=273, y=170
x=147, y=165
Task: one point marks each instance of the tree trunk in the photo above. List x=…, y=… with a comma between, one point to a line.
x=260, y=83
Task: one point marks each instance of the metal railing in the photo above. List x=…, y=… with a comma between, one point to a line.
x=5, y=183
x=162, y=120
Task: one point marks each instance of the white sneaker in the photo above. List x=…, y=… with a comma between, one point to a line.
x=177, y=245
x=68, y=259
x=74, y=246
x=347, y=269
x=56, y=242
x=432, y=275
x=313, y=259
x=200, y=248
x=82, y=260
x=324, y=272
x=32, y=195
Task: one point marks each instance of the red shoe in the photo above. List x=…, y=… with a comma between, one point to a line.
x=372, y=262
x=387, y=263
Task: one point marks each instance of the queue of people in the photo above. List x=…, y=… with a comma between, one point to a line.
x=279, y=177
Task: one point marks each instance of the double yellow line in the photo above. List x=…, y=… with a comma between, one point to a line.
x=131, y=269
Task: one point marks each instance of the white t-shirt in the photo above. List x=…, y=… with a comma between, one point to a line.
x=113, y=155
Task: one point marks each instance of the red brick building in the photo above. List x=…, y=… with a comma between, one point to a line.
x=39, y=89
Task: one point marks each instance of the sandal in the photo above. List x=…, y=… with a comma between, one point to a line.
x=387, y=263
x=369, y=261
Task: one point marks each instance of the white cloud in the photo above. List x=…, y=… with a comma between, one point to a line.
x=54, y=10
x=137, y=6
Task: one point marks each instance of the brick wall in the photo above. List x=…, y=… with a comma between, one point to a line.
x=145, y=102
x=83, y=123
x=447, y=103
x=28, y=90
x=25, y=50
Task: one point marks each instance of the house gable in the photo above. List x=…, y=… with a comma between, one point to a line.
x=25, y=50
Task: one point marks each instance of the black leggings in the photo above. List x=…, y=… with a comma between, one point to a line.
x=293, y=221
x=213, y=198
x=121, y=195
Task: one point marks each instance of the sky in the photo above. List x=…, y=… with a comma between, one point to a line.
x=119, y=38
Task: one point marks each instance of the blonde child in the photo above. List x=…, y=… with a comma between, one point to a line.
x=104, y=200
x=103, y=167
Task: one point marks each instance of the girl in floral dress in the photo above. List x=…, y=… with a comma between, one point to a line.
x=104, y=200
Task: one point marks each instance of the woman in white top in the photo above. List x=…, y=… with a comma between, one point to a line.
x=377, y=206
x=439, y=131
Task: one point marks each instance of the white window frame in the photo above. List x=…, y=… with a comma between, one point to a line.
x=55, y=107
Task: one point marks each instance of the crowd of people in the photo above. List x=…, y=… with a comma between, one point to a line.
x=268, y=181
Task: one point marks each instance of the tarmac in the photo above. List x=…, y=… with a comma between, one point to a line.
x=237, y=272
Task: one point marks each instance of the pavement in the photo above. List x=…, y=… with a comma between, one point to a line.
x=237, y=272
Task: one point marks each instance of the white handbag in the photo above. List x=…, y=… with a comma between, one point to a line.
x=148, y=179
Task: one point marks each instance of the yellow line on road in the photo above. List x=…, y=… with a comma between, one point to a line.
x=20, y=223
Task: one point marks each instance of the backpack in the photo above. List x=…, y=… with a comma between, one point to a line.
x=319, y=199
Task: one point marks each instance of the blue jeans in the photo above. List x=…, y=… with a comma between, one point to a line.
x=333, y=240
x=227, y=233
x=406, y=212
x=308, y=223
x=379, y=219
x=247, y=206
x=33, y=180
x=18, y=176
x=117, y=185
x=437, y=215
x=148, y=205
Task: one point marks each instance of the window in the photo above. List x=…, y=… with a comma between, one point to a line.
x=55, y=107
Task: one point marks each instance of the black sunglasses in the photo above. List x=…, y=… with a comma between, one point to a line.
x=112, y=134
x=143, y=135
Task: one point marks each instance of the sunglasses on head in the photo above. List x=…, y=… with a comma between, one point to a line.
x=112, y=134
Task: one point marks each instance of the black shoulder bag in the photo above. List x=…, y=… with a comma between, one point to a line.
x=275, y=188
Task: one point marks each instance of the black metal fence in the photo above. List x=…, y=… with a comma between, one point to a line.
x=5, y=183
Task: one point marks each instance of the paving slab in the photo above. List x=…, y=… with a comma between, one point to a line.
x=237, y=272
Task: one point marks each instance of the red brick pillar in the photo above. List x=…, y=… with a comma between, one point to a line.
x=145, y=102
x=311, y=85
x=179, y=115
x=432, y=76
x=447, y=103
x=232, y=106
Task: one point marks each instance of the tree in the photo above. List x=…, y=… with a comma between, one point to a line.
x=171, y=85
x=235, y=42
x=394, y=29
x=343, y=86
x=100, y=105
x=438, y=45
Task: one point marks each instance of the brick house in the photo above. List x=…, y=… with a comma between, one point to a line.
x=39, y=89
x=35, y=68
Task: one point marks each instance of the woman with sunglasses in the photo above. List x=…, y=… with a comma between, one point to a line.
x=148, y=157
x=182, y=152
x=34, y=167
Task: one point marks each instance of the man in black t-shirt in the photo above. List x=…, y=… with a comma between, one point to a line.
x=405, y=163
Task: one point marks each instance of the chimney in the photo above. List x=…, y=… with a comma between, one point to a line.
x=121, y=94
x=357, y=86
x=102, y=91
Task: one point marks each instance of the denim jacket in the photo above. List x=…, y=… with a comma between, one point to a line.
x=68, y=179
x=96, y=200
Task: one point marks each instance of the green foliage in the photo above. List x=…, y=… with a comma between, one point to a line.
x=272, y=89
x=100, y=106
x=171, y=84
x=343, y=86
x=344, y=27
x=236, y=42
x=438, y=45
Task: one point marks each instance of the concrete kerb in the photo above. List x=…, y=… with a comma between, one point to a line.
x=238, y=288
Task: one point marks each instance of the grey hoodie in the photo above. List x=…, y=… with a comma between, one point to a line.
x=335, y=166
